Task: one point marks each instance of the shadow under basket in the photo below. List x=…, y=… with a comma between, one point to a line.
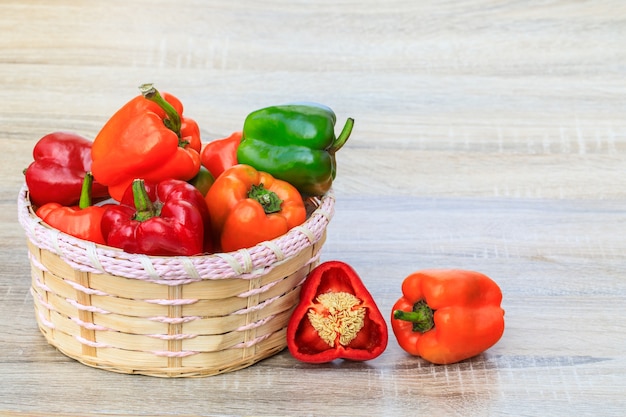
x=168, y=316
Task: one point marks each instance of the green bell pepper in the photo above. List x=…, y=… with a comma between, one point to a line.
x=295, y=143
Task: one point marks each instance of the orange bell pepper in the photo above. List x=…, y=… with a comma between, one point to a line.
x=247, y=207
x=446, y=316
x=81, y=221
x=147, y=138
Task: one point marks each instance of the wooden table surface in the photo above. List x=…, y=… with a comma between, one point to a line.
x=489, y=136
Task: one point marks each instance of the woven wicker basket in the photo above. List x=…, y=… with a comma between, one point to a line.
x=168, y=316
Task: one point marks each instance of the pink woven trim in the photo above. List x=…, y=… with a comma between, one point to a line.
x=169, y=354
x=165, y=302
x=35, y=262
x=90, y=326
x=41, y=285
x=259, y=290
x=172, y=336
x=255, y=324
x=83, y=307
x=252, y=342
x=44, y=321
x=84, y=289
x=174, y=320
x=258, y=306
x=256, y=261
x=91, y=343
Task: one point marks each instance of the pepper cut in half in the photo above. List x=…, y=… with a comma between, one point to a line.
x=295, y=143
x=446, y=316
x=336, y=318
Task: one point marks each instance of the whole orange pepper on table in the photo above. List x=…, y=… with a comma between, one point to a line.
x=446, y=316
x=147, y=138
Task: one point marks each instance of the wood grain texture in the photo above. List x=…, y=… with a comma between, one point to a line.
x=489, y=136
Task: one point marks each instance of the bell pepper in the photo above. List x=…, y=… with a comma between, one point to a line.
x=81, y=221
x=446, y=316
x=56, y=175
x=336, y=318
x=295, y=143
x=202, y=181
x=220, y=154
x=247, y=207
x=168, y=218
x=147, y=138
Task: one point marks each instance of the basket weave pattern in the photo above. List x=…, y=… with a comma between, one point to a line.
x=168, y=316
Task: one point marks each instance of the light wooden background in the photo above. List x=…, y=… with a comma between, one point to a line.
x=490, y=135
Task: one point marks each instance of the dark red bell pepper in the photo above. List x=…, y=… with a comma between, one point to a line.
x=169, y=218
x=61, y=160
x=336, y=318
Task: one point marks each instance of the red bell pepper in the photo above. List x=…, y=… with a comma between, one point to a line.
x=82, y=221
x=169, y=218
x=147, y=138
x=446, y=316
x=61, y=160
x=336, y=318
x=220, y=154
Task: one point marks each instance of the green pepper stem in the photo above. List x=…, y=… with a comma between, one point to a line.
x=421, y=316
x=172, y=118
x=85, y=192
x=144, y=208
x=268, y=199
x=343, y=136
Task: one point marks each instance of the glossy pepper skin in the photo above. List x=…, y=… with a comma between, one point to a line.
x=147, y=138
x=61, y=160
x=336, y=318
x=82, y=221
x=202, y=181
x=220, y=154
x=165, y=219
x=446, y=316
x=295, y=143
x=248, y=207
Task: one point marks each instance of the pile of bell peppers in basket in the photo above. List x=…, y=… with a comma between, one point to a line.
x=147, y=184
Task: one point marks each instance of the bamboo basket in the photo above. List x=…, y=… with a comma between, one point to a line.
x=168, y=316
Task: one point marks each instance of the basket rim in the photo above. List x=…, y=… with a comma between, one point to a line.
x=248, y=263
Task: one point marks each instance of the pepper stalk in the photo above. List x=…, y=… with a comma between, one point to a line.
x=85, y=192
x=266, y=198
x=145, y=208
x=172, y=120
x=421, y=316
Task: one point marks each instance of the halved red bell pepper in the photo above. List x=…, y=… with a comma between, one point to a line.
x=147, y=138
x=169, y=218
x=56, y=175
x=336, y=318
x=220, y=154
x=82, y=221
x=446, y=316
